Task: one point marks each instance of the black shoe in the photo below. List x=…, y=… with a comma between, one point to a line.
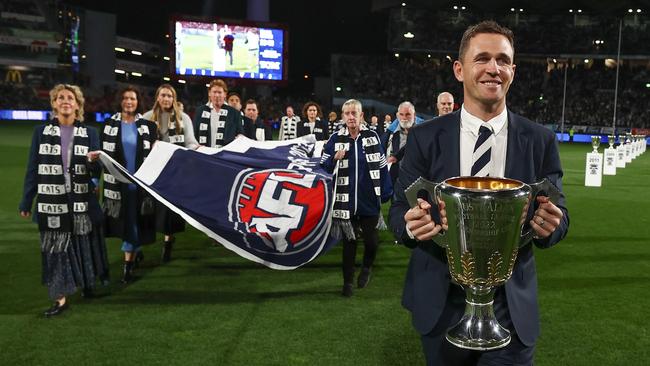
x=87, y=293
x=127, y=269
x=347, y=290
x=55, y=310
x=167, y=251
x=364, y=278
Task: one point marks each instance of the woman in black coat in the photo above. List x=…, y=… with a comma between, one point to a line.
x=59, y=176
x=129, y=210
x=313, y=124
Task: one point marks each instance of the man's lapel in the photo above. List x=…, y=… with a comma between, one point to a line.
x=451, y=155
x=516, y=150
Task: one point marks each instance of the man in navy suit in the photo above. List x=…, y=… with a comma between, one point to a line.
x=447, y=147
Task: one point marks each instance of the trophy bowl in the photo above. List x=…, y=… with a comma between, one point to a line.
x=595, y=142
x=485, y=218
x=611, y=139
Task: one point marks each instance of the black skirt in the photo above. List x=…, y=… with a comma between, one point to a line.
x=79, y=264
x=167, y=221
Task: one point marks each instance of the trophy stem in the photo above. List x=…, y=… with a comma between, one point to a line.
x=479, y=329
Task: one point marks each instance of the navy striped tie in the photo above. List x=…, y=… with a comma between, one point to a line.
x=482, y=153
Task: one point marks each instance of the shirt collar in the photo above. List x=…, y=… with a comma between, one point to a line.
x=469, y=122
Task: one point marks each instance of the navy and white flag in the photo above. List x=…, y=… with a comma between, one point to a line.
x=267, y=201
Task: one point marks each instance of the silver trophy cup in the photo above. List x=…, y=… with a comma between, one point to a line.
x=485, y=217
x=611, y=139
x=595, y=142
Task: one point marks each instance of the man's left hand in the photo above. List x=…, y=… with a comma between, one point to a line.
x=547, y=218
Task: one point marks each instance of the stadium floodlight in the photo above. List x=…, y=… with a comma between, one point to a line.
x=409, y=35
x=448, y=57
x=306, y=76
x=396, y=55
x=136, y=74
x=119, y=49
x=630, y=10
x=403, y=4
x=166, y=58
x=512, y=9
x=338, y=88
x=118, y=71
x=83, y=56
x=181, y=81
x=463, y=7
x=638, y=10
x=586, y=60
x=429, y=55
x=166, y=35
x=137, y=53
x=455, y=7
x=166, y=78
x=579, y=10
x=647, y=85
x=554, y=60
x=570, y=10
x=521, y=10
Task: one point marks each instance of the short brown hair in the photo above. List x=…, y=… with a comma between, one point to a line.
x=130, y=88
x=486, y=26
x=251, y=101
x=220, y=83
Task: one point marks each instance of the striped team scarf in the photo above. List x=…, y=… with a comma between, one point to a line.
x=204, y=127
x=376, y=160
x=112, y=189
x=53, y=204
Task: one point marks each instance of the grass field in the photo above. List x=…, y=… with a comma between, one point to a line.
x=208, y=306
x=198, y=54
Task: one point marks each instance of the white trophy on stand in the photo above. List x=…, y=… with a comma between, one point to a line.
x=609, y=167
x=594, y=166
x=620, y=152
x=628, y=147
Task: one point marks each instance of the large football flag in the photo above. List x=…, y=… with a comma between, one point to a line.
x=269, y=201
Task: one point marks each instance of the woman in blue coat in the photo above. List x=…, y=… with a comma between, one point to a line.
x=59, y=176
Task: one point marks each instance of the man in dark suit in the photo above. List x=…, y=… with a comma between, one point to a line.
x=449, y=147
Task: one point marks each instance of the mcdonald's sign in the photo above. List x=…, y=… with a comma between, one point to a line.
x=14, y=76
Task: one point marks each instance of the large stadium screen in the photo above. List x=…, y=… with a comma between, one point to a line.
x=228, y=50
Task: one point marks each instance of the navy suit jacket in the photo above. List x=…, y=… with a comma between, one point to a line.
x=433, y=152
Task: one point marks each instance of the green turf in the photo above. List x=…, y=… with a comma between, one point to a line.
x=198, y=54
x=208, y=306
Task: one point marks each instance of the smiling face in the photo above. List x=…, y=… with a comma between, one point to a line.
x=486, y=71
x=66, y=104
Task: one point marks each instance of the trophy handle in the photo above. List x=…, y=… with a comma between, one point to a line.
x=535, y=189
x=432, y=188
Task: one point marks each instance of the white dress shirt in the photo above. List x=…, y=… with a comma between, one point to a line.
x=469, y=132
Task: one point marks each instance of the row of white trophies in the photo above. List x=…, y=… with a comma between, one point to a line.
x=628, y=149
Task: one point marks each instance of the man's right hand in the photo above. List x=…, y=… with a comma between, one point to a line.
x=25, y=214
x=421, y=225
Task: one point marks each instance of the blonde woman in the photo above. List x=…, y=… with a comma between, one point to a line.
x=174, y=126
x=59, y=176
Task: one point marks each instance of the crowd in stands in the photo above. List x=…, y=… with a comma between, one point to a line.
x=537, y=91
x=535, y=34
